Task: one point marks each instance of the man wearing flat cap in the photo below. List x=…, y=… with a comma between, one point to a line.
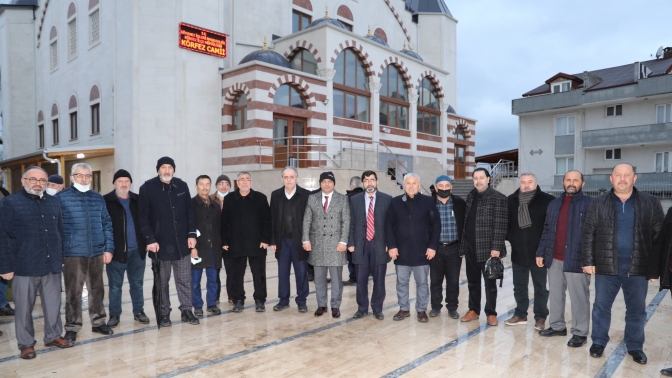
x=54, y=184
x=223, y=185
x=168, y=225
x=326, y=228
x=129, y=248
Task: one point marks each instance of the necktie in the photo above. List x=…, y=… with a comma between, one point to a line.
x=326, y=203
x=369, y=221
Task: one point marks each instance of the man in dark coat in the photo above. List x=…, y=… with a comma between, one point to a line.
x=168, y=225
x=355, y=188
x=223, y=185
x=412, y=230
x=483, y=237
x=5, y=308
x=288, y=205
x=31, y=253
x=208, y=247
x=527, y=213
x=618, y=248
x=447, y=262
x=664, y=245
x=368, y=245
x=246, y=234
x=129, y=249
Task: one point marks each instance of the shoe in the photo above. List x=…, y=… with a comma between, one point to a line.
x=6, y=310
x=378, y=315
x=577, y=341
x=71, y=336
x=422, y=317
x=667, y=372
x=103, y=330
x=401, y=315
x=188, y=316
x=141, y=317
x=280, y=307
x=303, y=308
x=596, y=350
x=492, y=320
x=231, y=301
x=214, y=310
x=238, y=306
x=539, y=324
x=469, y=316
x=360, y=314
x=514, y=320
x=434, y=312
x=311, y=277
x=320, y=311
x=453, y=314
x=28, y=353
x=61, y=343
x=335, y=313
x=198, y=312
x=349, y=283
x=259, y=306
x=548, y=332
x=113, y=322
x=164, y=322
x=638, y=356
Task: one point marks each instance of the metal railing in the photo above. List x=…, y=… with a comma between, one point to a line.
x=501, y=170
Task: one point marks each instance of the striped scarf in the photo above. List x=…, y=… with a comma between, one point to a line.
x=524, y=199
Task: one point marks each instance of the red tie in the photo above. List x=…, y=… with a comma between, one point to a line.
x=326, y=203
x=369, y=221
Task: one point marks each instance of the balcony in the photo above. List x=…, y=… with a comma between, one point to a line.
x=629, y=135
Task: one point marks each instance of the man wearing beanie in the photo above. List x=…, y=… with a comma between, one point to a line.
x=223, y=185
x=54, y=184
x=168, y=225
x=326, y=228
x=447, y=262
x=129, y=248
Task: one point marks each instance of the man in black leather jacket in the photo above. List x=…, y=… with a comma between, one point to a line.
x=618, y=248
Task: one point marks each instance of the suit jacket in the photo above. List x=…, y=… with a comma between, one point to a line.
x=358, y=215
x=491, y=223
x=277, y=199
x=325, y=231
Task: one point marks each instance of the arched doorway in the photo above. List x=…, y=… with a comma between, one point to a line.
x=289, y=146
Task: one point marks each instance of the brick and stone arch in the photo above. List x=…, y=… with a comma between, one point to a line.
x=345, y=12
x=400, y=66
x=380, y=33
x=395, y=12
x=299, y=84
x=305, y=4
x=298, y=46
x=233, y=91
x=358, y=49
x=432, y=77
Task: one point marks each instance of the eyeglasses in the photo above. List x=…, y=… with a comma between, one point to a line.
x=369, y=181
x=33, y=180
x=80, y=175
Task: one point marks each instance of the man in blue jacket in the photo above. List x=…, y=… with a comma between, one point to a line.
x=31, y=253
x=560, y=252
x=168, y=224
x=87, y=234
x=412, y=230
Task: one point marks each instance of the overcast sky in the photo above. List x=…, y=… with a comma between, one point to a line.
x=506, y=48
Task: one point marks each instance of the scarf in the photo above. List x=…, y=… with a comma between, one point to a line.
x=524, y=199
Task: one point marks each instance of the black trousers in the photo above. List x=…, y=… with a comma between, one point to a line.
x=369, y=266
x=446, y=264
x=236, y=276
x=475, y=271
x=219, y=281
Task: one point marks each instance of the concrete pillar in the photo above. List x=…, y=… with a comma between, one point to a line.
x=413, y=121
x=374, y=87
x=328, y=74
x=443, y=133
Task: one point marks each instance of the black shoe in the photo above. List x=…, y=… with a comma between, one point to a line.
x=113, y=322
x=103, y=330
x=577, y=341
x=141, y=317
x=378, y=315
x=6, y=310
x=188, y=316
x=238, y=306
x=303, y=308
x=311, y=277
x=548, y=332
x=349, y=283
x=434, y=312
x=165, y=321
x=360, y=314
x=453, y=314
x=638, y=356
x=667, y=372
x=71, y=335
x=214, y=310
x=198, y=312
x=596, y=350
x=280, y=307
x=259, y=306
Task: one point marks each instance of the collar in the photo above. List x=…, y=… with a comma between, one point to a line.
x=290, y=195
x=330, y=194
x=32, y=196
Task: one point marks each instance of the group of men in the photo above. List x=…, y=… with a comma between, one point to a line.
x=561, y=240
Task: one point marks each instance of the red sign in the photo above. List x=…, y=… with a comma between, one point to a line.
x=202, y=40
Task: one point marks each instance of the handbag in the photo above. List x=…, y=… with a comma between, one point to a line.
x=494, y=269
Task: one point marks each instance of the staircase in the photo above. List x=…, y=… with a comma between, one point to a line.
x=461, y=188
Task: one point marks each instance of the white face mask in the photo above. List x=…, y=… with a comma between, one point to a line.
x=222, y=194
x=51, y=191
x=82, y=188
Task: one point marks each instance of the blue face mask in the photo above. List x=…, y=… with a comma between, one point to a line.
x=222, y=194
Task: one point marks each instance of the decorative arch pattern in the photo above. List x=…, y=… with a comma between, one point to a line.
x=303, y=4
x=380, y=33
x=301, y=44
x=298, y=83
x=40, y=117
x=72, y=10
x=395, y=61
x=54, y=110
x=94, y=94
x=358, y=49
x=39, y=31
x=73, y=102
x=399, y=20
x=233, y=91
x=345, y=12
x=432, y=77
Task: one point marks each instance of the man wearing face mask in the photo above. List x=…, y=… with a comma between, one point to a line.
x=54, y=185
x=447, y=263
x=89, y=245
x=223, y=185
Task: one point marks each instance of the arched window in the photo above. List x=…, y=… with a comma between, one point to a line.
x=351, y=87
x=393, y=99
x=428, y=108
x=304, y=61
x=286, y=95
x=240, y=112
x=459, y=132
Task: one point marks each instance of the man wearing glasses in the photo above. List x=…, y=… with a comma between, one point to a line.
x=88, y=246
x=31, y=253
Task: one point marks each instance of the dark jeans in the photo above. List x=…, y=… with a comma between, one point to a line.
x=211, y=286
x=446, y=264
x=521, y=281
x=289, y=257
x=352, y=277
x=236, y=275
x=369, y=266
x=475, y=270
x=135, y=270
x=634, y=294
x=77, y=271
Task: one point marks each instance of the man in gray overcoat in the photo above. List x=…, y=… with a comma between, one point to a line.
x=326, y=225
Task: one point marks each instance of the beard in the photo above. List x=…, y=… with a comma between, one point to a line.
x=571, y=189
x=35, y=192
x=371, y=189
x=166, y=178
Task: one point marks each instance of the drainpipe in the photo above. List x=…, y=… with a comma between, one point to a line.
x=58, y=162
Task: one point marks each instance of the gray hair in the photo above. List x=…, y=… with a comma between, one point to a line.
x=30, y=168
x=80, y=165
x=244, y=173
x=282, y=173
x=356, y=182
x=528, y=174
x=411, y=175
